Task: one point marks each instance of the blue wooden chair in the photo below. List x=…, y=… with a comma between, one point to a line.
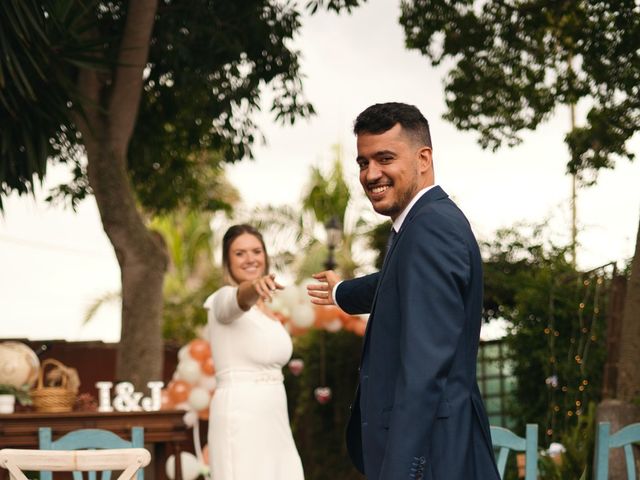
x=89, y=439
x=625, y=437
x=505, y=440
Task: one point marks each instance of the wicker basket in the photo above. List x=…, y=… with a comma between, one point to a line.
x=53, y=399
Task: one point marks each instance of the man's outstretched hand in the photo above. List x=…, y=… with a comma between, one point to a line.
x=322, y=293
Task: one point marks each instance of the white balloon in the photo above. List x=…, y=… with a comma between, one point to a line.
x=333, y=326
x=302, y=315
x=190, y=418
x=303, y=296
x=277, y=304
x=189, y=370
x=288, y=297
x=183, y=353
x=199, y=398
x=208, y=382
x=191, y=467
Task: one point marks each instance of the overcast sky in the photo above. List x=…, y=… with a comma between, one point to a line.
x=54, y=263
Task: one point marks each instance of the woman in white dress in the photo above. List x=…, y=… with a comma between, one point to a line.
x=249, y=433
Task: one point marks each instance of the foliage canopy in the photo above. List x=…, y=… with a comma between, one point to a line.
x=514, y=62
x=209, y=66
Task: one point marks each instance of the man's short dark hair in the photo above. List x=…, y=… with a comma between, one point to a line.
x=381, y=117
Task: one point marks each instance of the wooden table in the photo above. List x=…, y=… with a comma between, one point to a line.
x=161, y=428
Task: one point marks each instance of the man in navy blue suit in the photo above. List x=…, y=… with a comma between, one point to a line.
x=418, y=413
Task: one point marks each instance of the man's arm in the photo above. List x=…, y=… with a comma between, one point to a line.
x=353, y=296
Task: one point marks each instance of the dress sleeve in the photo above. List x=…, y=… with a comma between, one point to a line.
x=223, y=305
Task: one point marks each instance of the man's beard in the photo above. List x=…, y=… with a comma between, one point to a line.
x=399, y=205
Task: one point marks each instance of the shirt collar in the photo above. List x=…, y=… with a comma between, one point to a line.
x=397, y=223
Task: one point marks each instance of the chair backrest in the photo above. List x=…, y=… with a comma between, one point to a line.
x=625, y=437
x=127, y=460
x=505, y=440
x=89, y=438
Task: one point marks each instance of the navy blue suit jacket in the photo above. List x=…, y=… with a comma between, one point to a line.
x=418, y=412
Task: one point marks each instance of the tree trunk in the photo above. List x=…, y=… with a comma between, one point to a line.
x=143, y=260
x=615, y=310
x=624, y=409
x=628, y=371
x=619, y=414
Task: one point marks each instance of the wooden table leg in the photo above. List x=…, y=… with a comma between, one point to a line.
x=176, y=452
x=159, y=461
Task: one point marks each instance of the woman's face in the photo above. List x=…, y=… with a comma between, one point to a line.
x=247, y=258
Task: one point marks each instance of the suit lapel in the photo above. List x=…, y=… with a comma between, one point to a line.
x=436, y=193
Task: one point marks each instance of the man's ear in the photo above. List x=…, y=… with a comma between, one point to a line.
x=425, y=159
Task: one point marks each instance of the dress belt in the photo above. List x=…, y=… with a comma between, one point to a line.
x=232, y=377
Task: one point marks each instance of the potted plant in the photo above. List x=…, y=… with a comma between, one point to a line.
x=9, y=394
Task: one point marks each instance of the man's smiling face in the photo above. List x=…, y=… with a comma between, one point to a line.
x=392, y=169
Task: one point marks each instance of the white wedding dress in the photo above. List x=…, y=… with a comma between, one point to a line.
x=249, y=433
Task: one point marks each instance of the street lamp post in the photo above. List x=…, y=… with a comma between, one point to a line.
x=334, y=233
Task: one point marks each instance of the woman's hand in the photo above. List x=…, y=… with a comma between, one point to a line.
x=261, y=288
x=265, y=286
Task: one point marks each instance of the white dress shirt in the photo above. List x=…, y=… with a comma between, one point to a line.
x=397, y=224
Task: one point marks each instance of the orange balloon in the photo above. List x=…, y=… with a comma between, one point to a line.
x=296, y=331
x=165, y=400
x=348, y=318
x=207, y=366
x=280, y=316
x=350, y=321
x=199, y=349
x=204, y=414
x=178, y=391
x=359, y=328
x=325, y=314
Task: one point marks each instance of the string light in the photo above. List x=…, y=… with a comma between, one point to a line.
x=576, y=340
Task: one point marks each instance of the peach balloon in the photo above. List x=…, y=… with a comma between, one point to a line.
x=165, y=400
x=178, y=391
x=296, y=331
x=326, y=314
x=204, y=414
x=282, y=317
x=207, y=366
x=359, y=328
x=349, y=323
x=199, y=349
x=205, y=454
